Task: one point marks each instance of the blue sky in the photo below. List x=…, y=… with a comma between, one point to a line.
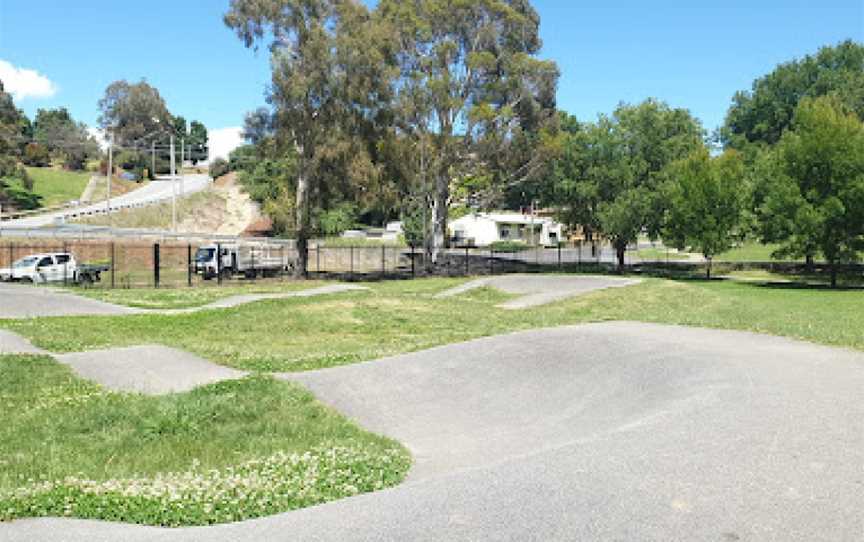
x=691, y=54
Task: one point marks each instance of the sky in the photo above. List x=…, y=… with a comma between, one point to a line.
x=690, y=54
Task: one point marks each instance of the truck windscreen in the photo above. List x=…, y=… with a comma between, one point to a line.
x=204, y=255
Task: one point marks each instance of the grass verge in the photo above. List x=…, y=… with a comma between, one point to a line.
x=225, y=452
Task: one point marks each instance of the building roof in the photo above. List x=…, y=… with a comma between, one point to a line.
x=510, y=218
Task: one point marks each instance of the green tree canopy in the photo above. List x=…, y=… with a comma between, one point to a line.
x=762, y=114
x=57, y=131
x=134, y=112
x=813, y=185
x=608, y=178
x=705, y=199
x=329, y=79
x=470, y=94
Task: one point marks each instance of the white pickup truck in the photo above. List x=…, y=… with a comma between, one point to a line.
x=52, y=267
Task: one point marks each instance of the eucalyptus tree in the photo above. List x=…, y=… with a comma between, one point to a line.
x=329, y=79
x=470, y=94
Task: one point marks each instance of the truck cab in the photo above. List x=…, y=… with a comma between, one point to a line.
x=208, y=264
x=43, y=268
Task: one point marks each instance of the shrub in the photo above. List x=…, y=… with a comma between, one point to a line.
x=509, y=246
x=36, y=155
x=219, y=167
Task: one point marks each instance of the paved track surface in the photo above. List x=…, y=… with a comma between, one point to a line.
x=11, y=343
x=150, y=369
x=25, y=301
x=613, y=431
x=534, y=290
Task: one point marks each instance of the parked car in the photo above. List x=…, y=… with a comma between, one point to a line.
x=52, y=267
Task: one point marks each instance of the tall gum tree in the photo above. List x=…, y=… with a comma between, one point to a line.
x=326, y=87
x=470, y=91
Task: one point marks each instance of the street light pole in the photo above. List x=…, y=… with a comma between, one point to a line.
x=182, y=159
x=109, y=172
x=173, y=190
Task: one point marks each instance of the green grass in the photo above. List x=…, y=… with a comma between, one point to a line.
x=68, y=447
x=661, y=255
x=224, y=452
x=345, y=242
x=182, y=298
x=159, y=216
x=751, y=252
x=308, y=333
x=57, y=186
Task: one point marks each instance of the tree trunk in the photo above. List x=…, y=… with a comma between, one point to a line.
x=833, y=274
x=808, y=263
x=439, y=216
x=301, y=214
x=621, y=251
x=708, y=269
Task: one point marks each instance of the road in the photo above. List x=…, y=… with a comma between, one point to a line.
x=609, y=431
x=159, y=190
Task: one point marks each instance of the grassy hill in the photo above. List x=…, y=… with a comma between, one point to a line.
x=57, y=186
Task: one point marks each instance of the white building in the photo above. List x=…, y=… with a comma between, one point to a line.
x=483, y=229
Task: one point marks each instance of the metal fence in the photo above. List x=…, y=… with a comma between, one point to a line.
x=170, y=264
x=150, y=265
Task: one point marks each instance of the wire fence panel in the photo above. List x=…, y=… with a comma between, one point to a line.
x=125, y=263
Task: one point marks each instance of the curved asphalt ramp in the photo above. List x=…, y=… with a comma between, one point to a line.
x=26, y=301
x=535, y=290
x=613, y=431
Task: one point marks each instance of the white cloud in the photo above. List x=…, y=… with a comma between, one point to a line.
x=22, y=83
x=224, y=140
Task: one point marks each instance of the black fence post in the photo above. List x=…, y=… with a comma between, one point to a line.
x=219, y=264
x=318, y=258
x=351, y=263
x=559, y=255
x=466, y=262
x=383, y=261
x=413, y=263
x=252, y=255
x=155, y=265
x=113, y=260
x=491, y=261
x=189, y=265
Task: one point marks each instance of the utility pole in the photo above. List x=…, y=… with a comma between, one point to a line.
x=109, y=172
x=173, y=190
x=182, y=159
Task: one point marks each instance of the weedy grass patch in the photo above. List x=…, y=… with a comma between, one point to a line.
x=225, y=452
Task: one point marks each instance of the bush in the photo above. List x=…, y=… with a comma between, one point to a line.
x=337, y=220
x=509, y=246
x=219, y=167
x=36, y=155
